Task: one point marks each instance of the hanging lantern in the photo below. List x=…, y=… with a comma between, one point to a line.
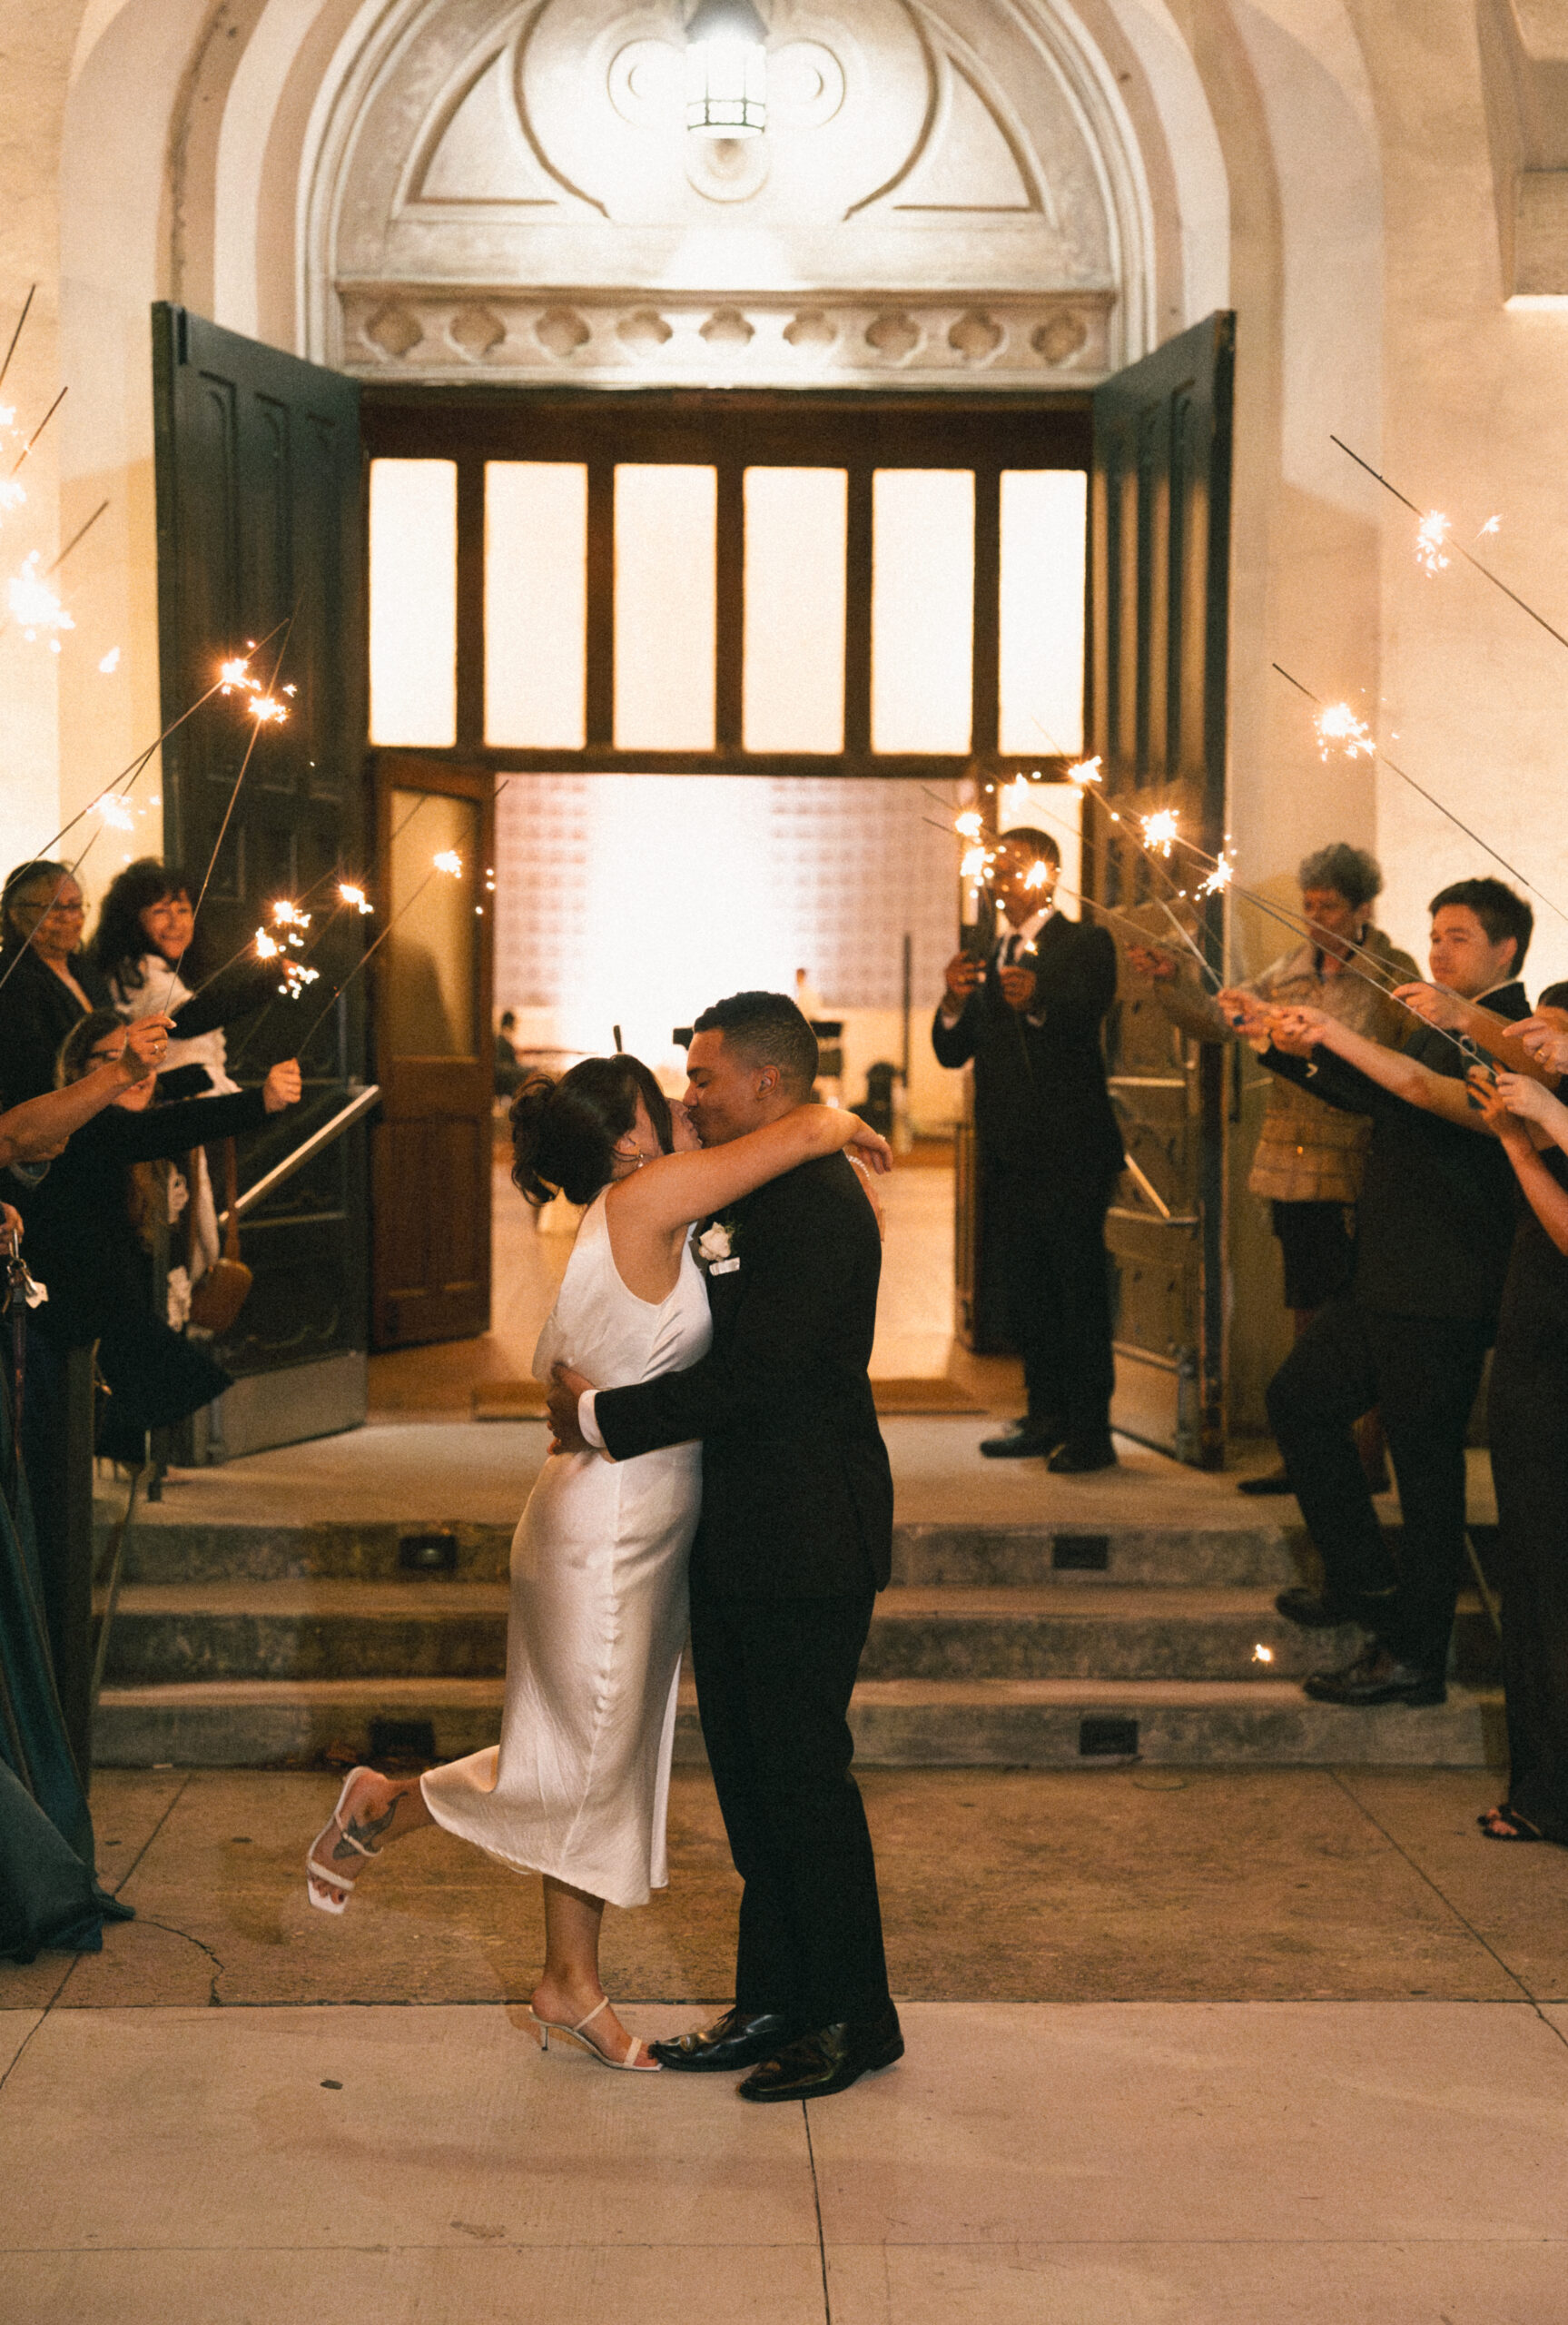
x=726, y=70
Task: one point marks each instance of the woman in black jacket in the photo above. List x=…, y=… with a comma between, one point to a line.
x=85, y=1243
x=49, y=982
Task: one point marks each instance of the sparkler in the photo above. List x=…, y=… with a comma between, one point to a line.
x=44, y=423
x=1159, y=832
x=355, y=899
x=111, y=662
x=34, y=605
x=1458, y=822
x=1339, y=728
x=1261, y=1654
x=1431, y=534
x=448, y=862
x=1468, y=555
x=229, y=680
x=10, y=351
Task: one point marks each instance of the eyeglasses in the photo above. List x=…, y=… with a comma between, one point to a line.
x=56, y=911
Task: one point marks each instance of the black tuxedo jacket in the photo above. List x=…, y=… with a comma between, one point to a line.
x=798, y=1494
x=1041, y=1108
x=1435, y=1224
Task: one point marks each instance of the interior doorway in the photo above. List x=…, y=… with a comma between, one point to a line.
x=723, y=661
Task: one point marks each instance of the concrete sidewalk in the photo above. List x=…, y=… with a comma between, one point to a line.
x=1099, y=2164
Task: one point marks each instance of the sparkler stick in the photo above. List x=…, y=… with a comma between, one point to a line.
x=16, y=334
x=1456, y=821
x=261, y=717
x=447, y=861
x=44, y=423
x=1484, y=570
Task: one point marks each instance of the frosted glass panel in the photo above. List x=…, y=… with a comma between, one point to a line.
x=432, y=964
x=922, y=609
x=414, y=601
x=1043, y=516
x=795, y=608
x=664, y=528
x=536, y=602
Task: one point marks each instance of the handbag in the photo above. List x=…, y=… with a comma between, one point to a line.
x=216, y=1300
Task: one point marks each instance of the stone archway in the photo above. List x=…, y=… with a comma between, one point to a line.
x=944, y=195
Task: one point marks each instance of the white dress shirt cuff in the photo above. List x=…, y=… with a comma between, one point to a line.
x=587, y=1423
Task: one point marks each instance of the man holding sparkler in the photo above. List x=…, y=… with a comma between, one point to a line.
x=1435, y=1225
x=1027, y=1008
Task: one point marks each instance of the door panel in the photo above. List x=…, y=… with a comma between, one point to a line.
x=430, y=1150
x=259, y=493
x=1159, y=552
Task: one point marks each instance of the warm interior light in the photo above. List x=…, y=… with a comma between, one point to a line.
x=726, y=70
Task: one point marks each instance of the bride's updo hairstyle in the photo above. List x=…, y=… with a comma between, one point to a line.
x=563, y=1132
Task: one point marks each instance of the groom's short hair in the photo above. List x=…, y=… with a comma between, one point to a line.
x=769, y=1028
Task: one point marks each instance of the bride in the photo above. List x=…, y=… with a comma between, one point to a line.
x=577, y=1787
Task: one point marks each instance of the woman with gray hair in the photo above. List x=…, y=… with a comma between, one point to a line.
x=1308, y=1158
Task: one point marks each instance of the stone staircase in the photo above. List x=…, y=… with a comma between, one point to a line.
x=251, y=1645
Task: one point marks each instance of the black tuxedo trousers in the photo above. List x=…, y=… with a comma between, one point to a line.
x=1422, y=1373
x=773, y=1679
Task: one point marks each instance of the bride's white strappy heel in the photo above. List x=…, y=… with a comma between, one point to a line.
x=318, y=1876
x=635, y=2060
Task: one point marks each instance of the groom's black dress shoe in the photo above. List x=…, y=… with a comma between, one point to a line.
x=739, y=2039
x=815, y=2066
x=1376, y=1678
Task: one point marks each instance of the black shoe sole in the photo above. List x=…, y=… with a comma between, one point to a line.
x=1264, y=1485
x=1020, y=1448
x=839, y=2081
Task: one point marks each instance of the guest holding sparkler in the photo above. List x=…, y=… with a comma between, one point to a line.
x=48, y=983
x=146, y=950
x=1410, y=1336
x=1028, y=1009
x=1308, y=1160
x=1527, y=1417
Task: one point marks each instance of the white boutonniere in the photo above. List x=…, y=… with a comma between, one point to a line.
x=714, y=1248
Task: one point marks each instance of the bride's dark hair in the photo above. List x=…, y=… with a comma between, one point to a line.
x=563, y=1132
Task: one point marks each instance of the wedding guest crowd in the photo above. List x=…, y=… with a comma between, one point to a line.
x=98, y=1105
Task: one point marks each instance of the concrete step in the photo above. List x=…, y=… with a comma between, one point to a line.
x=897, y=1722
x=169, y=1633
x=164, y=1550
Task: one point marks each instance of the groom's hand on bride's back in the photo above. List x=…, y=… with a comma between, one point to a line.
x=566, y=1389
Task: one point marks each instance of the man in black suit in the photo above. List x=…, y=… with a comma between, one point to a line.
x=1434, y=1226
x=794, y=1541
x=1029, y=1013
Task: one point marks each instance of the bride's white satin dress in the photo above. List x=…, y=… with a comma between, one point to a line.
x=579, y=1784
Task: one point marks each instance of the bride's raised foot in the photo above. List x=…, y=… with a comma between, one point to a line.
x=598, y=2028
x=355, y=1832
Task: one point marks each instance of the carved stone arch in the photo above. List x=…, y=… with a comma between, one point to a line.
x=947, y=194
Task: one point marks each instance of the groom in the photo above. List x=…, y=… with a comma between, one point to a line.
x=794, y=1542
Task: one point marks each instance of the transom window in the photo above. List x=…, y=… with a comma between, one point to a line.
x=724, y=583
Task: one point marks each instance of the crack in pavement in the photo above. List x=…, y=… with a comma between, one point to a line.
x=215, y=1999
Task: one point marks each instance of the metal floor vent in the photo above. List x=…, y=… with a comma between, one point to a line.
x=1101, y=1735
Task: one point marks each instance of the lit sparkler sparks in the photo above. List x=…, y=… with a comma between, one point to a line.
x=968, y=826
x=1038, y=874
x=265, y=709
x=116, y=812
x=355, y=899
x=973, y=864
x=449, y=861
x=1431, y=537
x=1085, y=771
x=34, y=605
x=266, y=948
x=1339, y=728
x=287, y=915
x=1159, y=832
x=296, y=977
x=1261, y=1654
x=235, y=673
x=1493, y=525
x=1220, y=879
x=111, y=662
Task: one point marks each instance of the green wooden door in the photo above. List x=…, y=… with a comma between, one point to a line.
x=1159, y=589
x=260, y=523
